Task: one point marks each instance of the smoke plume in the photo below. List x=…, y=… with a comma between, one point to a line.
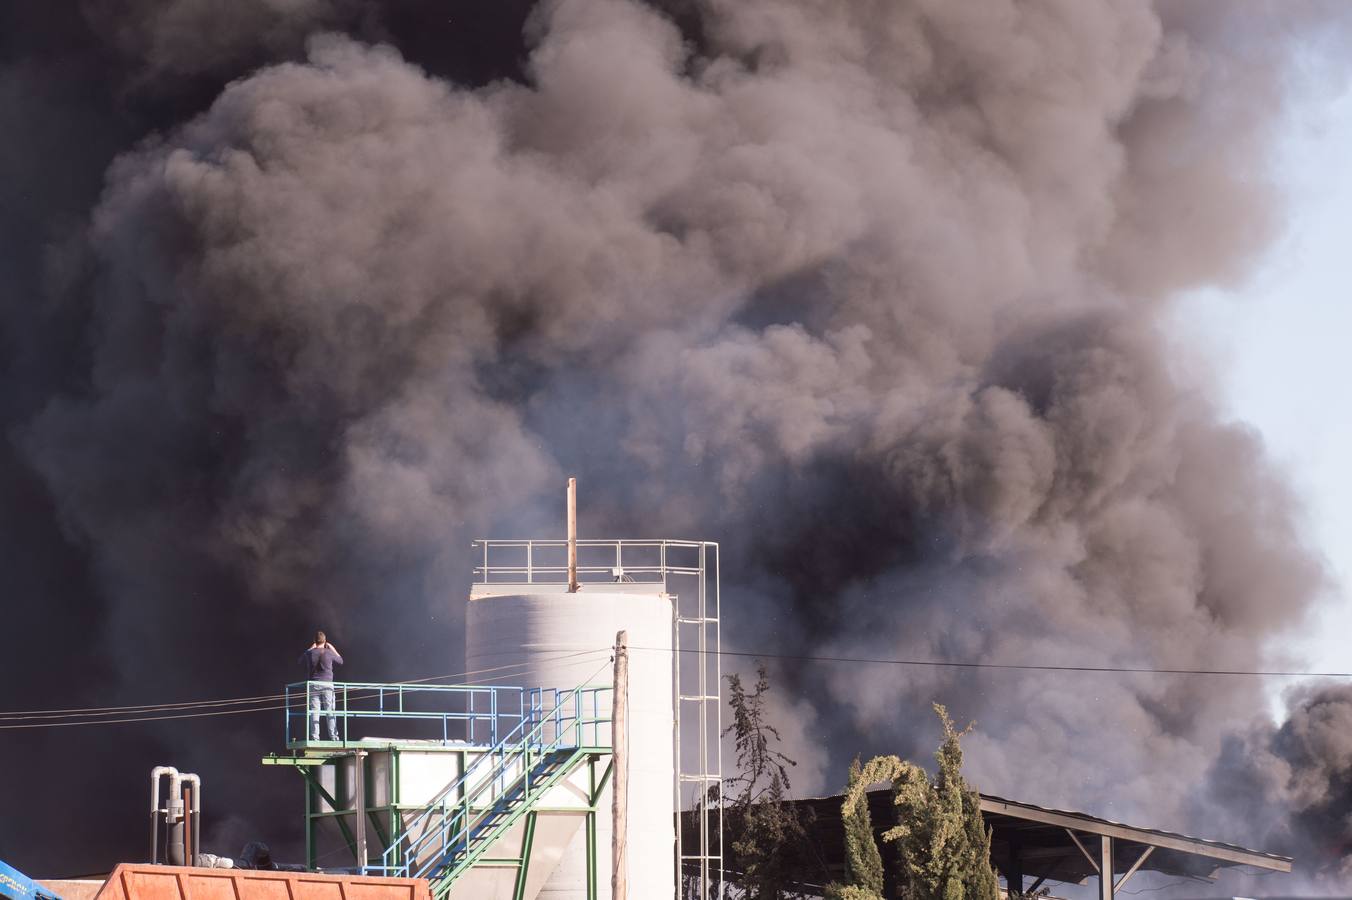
x=300, y=297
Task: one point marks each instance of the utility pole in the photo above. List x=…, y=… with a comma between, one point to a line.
x=572, y=535
x=619, y=780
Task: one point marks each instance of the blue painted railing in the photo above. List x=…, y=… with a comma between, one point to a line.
x=476, y=714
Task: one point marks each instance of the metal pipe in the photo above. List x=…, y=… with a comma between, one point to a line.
x=572, y=535
x=173, y=821
x=155, y=775
x=359, y=791
x=188, y=843
x=196, y=809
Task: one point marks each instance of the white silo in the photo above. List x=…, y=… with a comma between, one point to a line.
x=542, y=635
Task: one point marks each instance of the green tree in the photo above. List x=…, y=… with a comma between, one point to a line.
x=768, y=836
x=942, y=844
x=863, y=861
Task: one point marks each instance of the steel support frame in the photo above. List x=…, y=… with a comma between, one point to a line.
x=364, y=814
x=1140, y=860
x=1104, y=864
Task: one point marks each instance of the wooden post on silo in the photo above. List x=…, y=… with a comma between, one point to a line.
x=572, y=535
x=619, y=779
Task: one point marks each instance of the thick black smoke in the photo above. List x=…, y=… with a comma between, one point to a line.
x=301, y=297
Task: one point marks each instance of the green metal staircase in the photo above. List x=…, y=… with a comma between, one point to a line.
x=492, y=823
x=459, y=827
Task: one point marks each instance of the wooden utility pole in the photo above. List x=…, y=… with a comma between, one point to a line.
x=619, y=779
x=572, y=535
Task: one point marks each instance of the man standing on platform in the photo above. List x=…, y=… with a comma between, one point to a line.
x=318, y=662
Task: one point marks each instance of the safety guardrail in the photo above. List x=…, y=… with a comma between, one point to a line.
x=598, y=561
x=474, y=714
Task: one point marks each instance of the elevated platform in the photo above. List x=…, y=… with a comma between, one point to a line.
x=485, y=808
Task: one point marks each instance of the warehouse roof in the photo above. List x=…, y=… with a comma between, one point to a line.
x=1032, y=844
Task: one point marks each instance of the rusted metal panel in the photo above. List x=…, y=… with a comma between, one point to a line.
x=145, y=882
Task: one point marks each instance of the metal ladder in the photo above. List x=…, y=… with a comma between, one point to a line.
x=701, y=864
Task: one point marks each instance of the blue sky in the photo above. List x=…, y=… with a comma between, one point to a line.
x=1280, y=351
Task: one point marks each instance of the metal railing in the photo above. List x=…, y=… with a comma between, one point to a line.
x=451, y=825
x=474, y=714
x=599, y=561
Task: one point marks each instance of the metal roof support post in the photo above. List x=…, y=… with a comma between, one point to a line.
x=1014, y=877
x=1105, y=868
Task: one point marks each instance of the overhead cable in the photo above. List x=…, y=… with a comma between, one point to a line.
x=1032, y=667
x=163, y=712
x=108, y=710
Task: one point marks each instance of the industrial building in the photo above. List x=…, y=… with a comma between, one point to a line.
x=506, y=787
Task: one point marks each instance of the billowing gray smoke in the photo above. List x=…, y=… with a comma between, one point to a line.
x=872, y=292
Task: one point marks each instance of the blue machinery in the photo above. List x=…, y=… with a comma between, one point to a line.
x=468, y=794
x=18, y=886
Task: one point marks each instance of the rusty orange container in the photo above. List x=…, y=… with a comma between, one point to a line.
x=130, y=881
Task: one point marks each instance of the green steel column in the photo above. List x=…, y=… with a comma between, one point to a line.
x=396, y=824
x=309, y=826
x=527, y=842
x=591, y=854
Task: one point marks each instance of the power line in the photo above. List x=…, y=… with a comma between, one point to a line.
x=233, y=701
x=207, y=708
x=360, y=693
x=1131, y=670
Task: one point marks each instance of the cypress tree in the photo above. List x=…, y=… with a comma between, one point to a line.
x=942, y=845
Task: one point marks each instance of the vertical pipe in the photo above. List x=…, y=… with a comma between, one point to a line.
x=173, y=840
x=188, y=821
x=155, y=775
x=196, y=807
x=572, y=535
x=619, y=798
x=359, y=792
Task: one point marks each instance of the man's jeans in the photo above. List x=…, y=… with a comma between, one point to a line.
x=321, y=699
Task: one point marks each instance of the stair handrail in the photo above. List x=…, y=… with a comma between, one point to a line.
x=533, y=743
x=443, y=875
x=472, y=783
